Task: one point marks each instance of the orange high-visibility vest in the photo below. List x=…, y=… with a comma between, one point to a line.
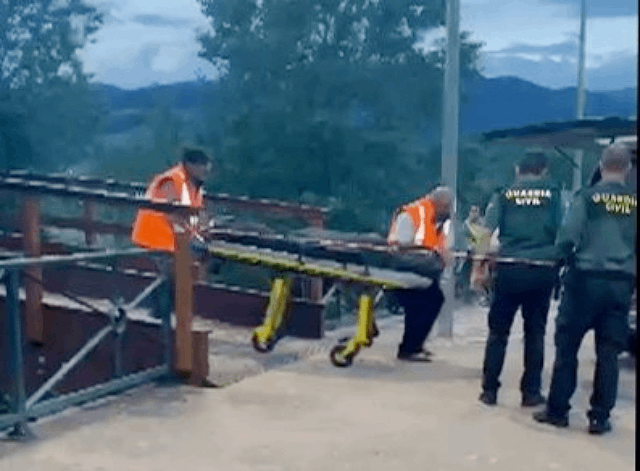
x=423, y=216
x=153, y=229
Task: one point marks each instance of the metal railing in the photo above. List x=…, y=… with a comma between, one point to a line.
x=137, y=190
x=23, y=408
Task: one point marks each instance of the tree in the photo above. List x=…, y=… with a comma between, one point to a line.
x=42, y=74
x=329, y=54
x=326, y=100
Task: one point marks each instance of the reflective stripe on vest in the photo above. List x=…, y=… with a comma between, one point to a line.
x=185, y=199
x=419, y=237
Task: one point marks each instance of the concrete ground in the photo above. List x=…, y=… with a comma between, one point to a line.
x=379, y=414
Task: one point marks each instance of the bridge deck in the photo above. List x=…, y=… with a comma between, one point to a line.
x=379, y=414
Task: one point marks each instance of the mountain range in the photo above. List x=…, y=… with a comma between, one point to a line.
x=487, y=103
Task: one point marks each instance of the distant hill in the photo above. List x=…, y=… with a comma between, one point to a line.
x=505, y=102
x=488, y=103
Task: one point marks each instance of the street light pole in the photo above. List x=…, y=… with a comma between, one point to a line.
x=449, y=168
x=580, y=92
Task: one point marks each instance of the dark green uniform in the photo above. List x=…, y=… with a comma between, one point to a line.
x=528, y=217
x=599, y=239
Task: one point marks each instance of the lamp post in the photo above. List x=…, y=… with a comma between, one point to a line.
x=449, y=168
x=580, y=92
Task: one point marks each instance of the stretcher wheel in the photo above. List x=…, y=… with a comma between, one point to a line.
x=262, y=347
x=338, y=359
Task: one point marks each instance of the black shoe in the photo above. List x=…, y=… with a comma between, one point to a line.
x=545, y=418
x=424, y=356
x=489, y=398
x=599, y=426
x=530, y=400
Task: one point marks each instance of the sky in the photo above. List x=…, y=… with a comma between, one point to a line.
x=154, y=41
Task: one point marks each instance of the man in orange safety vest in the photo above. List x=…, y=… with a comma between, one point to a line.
x=420, y=224
x=183, y=184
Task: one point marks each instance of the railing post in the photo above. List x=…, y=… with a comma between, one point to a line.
x=183, y=305
x=162, y=298
x=89, y=217
x=33, y=283
x=19, y=397
x=315, y=287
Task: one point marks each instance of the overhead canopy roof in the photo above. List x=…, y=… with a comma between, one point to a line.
x=585, y=134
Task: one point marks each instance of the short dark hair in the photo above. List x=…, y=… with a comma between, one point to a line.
x=194, y=156
x=533, y=163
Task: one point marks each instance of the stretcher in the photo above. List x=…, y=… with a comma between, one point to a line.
x=364, y=264
x=266, y=335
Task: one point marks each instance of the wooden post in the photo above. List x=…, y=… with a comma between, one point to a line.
x=315, y=288
x=184, y=305
x=33, y=280
x=89, y=217
x=200, y=366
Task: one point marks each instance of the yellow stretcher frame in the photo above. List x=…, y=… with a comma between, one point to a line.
x=307, y=268
x=264, y=337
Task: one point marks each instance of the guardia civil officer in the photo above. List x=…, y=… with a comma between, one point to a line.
x=528, y=216
x=599, y=239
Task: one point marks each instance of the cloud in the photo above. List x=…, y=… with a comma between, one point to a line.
x=565, y=48
x=145, y=41
x=538, y=41
x=155, y=64
x=158, y=20
x=600, y=8
x=619, y=71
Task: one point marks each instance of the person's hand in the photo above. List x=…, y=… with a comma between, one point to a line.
x=198, y=248
x=446, y=257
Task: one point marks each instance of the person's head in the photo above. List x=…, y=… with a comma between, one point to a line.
x=533, y=165
x=442, y=198
x=615, y=163
x=196, y=163
x=474, y=213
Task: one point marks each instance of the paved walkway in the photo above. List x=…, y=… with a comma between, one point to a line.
x=380, y=414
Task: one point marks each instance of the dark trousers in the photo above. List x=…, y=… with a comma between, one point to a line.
x=590, y=301
x=421, y=308
x=528, y=288
x=463, y=279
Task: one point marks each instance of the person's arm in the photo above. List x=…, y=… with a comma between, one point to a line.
x=486, y=226
x=493, y=213
x=572, y=227
x=467, y=235
x=405, y=233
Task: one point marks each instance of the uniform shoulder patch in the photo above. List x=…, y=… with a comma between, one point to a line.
x=615, y=203
x=528, y=196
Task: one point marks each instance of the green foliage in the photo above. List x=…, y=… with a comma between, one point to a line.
x=325, y=58
x=327, y=102
x=42, y=76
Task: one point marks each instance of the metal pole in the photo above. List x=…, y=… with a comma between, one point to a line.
x=450, y=145
x=580, y=93
x=19, y=389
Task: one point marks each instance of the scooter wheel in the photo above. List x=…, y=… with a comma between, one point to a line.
x=262, y=347
x=338, y=359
